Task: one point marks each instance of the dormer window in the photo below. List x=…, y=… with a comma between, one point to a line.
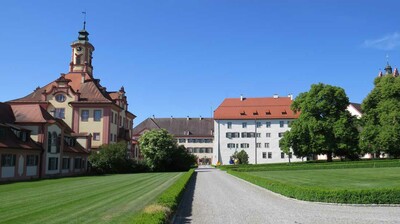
x=24, y=136
x=60, y=98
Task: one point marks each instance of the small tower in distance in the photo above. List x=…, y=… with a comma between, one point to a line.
x=82, y=49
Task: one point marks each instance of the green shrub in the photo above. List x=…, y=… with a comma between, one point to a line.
x=242, y=157
x=313, y=165
x=160, y=212
x=372, y=196
x=112, y=158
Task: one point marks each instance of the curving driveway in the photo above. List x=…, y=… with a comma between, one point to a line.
x=216, y=197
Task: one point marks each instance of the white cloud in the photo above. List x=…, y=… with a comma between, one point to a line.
x=388, y=42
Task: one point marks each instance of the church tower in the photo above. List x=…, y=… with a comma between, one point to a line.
x=82, y=49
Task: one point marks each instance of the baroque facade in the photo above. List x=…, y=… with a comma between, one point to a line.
x=74, y=114
x=82, y=102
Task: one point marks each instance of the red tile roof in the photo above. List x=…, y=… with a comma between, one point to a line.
x=31, y=113
x=75, y=149
x=6, y=114
x=90, y=90
x=255, y=108
x=11, y=141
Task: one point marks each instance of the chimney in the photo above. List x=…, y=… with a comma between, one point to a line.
x=201, y=118
x=276, y=96
x=290, y=96
x=241, y=97
x=154, y=116
x=187, y=118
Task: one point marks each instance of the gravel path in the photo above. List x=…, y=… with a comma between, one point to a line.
x=216, y=197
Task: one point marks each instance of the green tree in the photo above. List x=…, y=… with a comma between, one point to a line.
x=111, y=158
x=381, y=118
x=324, y=125
x=242, y=156
x=162, y=153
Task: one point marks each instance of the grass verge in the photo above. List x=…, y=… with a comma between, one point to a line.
x=314, y=165
x=360, y=182
x=318, y=194
x=161, y=211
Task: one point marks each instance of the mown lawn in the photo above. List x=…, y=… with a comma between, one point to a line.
x=351, y=179
x=97, y=199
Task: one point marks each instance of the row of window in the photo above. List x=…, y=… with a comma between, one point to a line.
x=97, y=114
x=250, y=135
x=120, y=121
x=259, y=124
x=200, y=150
x=195, y=140
x=8, y=160
x=269, y=155
x=79, y=163
x=236, y=145
x=246, y=145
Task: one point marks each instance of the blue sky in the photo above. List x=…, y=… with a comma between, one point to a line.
x=182, y=58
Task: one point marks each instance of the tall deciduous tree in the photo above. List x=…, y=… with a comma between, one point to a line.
x=381, y=117
x=162, y=153
x=324, y=125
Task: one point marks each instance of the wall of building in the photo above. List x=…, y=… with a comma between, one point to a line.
x=353, y=111
x=20, y=170
x=92, y=126
x=114, y=126
x=201, y=147
x=53, y=154
x=68, y=109
x=255, y=151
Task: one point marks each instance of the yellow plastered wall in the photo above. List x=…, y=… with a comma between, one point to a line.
x=68, y=109
x=92, y=126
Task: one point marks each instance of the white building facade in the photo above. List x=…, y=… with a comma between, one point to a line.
x=255, y=125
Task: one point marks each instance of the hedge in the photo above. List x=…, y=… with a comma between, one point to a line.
x=312, y=166
x=166, y=204
x=371, y=196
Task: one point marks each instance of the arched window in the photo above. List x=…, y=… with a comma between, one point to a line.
x=58, y=145
x=49, y=141
x=54, y=138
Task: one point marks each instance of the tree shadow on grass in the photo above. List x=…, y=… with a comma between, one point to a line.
x=184, y=211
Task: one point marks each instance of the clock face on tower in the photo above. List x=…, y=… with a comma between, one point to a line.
x=79, y=48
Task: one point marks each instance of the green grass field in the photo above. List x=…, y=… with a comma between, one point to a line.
x=356, y=178
x=96, y=199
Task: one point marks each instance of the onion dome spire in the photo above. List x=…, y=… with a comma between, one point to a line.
x=83, y=34
x=388, y=68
